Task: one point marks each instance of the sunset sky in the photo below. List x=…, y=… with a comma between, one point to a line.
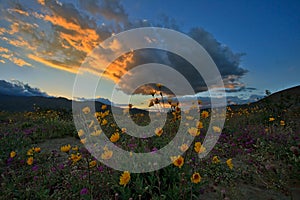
x=255, y=44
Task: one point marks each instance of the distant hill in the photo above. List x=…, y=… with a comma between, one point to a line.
x=285, y=99
x=288, y=100
x=287, y=96
x=29, y=103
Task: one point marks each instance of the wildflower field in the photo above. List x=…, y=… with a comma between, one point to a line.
x=256, y=157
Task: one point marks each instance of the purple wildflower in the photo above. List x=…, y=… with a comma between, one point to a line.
x=84, y=191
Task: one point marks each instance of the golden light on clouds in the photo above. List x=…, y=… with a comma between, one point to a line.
x=82, y=39
x=14, y=28
x=17, y=61
x=119, y=67
x=21, y=12
x=20, y=42
x=7, y=56
x=2, y=49
x=52, y=64
x=42, y=2
x=20, y=62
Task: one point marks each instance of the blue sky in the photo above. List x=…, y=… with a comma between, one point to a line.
x=39, y=39
x=268, y=32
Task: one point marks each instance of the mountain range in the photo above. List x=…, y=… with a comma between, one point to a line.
x=19, y=97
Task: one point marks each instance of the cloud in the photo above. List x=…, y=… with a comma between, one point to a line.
x=53, y=63
x=17, y=88
x=12, y=57
x=109, y=9
x=42, y=2
x=2, y=49
x=19, y=11
x=227, y=61
x=61, y=34
x=20, y=62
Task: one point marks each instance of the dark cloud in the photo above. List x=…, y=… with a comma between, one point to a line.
x=227, y=61
x=17, y=88
x=109, y=9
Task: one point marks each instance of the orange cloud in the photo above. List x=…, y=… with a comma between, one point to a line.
x=21, y=12
x=42, y=2
x=20, y=42
x=2, y=31
x=82, y=39
x=71, y=40
x=7, y=56
x=2, y=49
x=98, y=64
x=79, y=42
x=54, y=64
x=119, y=67
x=20, y=62
x=230, y=86
x=14, y=28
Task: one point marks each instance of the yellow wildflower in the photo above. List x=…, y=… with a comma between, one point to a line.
x=199, y=124
x=158, y=131
x=80, y=132
x=196, y=178
x=177, y=161
x=93, y=163
x=215, y=160
x=37, y=149
x=216, y=129
x=184, y=147
x=75, y=157
x=113, y=125
x=12, y=154
x=30, y=160
x=30, y=152
x=204, y=114
x=104, y=122
x=199, y=148
x=115, y=137
x=271, y=119
x=194, y=131
x=123, y=130
x=125, y=178
x=86, y=110
x=107, y=154
x=65, y=148
x=75, y=148
x=96, y=133
x=229, y=163
x=282, y=123
x=83, y=141
x=103, y=107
